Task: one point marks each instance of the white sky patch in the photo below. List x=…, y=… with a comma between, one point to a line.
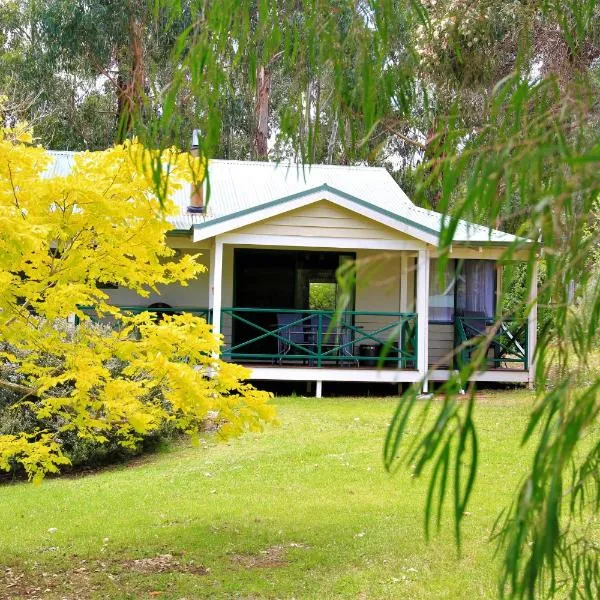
x=273, y=135
x=100, y=83
x=535, y=71
x=461, y=144
x=368, y=15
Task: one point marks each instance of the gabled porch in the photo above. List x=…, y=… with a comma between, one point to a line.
x=264, y=307
x=395, y=322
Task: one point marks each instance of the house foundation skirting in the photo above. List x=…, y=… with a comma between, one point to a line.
x=278, y=373
x=491, y=376
x=325, y=374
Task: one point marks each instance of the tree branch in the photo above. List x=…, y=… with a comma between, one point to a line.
x=17, y=387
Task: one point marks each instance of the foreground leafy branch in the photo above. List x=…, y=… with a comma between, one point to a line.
x=549, y=535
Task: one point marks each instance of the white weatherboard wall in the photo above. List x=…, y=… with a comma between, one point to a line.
x=378, y=280
x=441, y=342
x=377, y=290
x=195, y=294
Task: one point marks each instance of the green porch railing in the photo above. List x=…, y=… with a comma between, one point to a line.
x=350, y=338
x=321, y=338
x=508, y=346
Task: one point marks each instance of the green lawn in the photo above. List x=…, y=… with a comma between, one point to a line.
x=304, y=510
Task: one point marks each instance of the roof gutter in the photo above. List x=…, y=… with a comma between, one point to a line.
x=180, y=232
x=484, y=243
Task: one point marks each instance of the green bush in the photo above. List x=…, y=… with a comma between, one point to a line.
x=515, y=292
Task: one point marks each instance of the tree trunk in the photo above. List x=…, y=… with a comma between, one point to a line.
x=432, y=151
x=317, y=120
x=138, y=65
x=260, y=148
x=332, y=139
x=122, y=108
x=130, y=89
x=344, y=158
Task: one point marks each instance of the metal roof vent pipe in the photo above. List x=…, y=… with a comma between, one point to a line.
x=196, y=206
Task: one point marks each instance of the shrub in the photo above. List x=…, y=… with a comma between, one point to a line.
x=18, y=415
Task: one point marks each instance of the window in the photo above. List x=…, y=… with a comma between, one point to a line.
x=476, y=288
x=441, y=293
x=322, y=296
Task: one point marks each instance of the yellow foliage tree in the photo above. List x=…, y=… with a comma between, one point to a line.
x=60, y=235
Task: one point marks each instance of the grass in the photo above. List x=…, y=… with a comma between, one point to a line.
x=304, y=510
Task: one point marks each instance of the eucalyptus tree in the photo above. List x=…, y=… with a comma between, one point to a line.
x=68, y=109
x=104, y=40
x=83, y=71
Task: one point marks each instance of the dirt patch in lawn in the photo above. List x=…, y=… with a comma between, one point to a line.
x=271, y=557
x=87, y=579
x=41, y=584
x=164, y=563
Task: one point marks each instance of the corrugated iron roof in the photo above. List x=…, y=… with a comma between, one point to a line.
x=237, y=186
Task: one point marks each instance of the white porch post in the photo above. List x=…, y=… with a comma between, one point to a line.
x=216, y=284
x=532, y=324
x=423, y=313
x=211, y=274
x=319, y=389
x=403, y=282
x=499, y=289
x=403, y=300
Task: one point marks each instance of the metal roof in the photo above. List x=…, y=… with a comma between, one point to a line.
x=246, y=186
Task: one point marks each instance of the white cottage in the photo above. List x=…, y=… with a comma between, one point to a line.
x=273, y=238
